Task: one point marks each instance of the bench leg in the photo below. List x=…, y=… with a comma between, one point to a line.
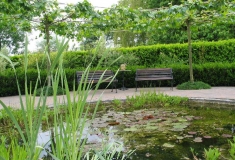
x=172, y=84
x=116, y=86
x=136, y=86
x=112, y=87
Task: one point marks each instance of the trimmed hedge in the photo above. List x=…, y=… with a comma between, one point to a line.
x=215, y=74
x=203, y=52
x=149, y=56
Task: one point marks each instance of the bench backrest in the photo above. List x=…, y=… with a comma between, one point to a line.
x=154, y=73
x=94, y=76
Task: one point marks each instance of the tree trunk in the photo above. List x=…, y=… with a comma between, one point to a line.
x=190, y=50
x=0, y=45
x=47, y=31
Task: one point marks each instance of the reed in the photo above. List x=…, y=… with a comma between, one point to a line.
x=67, y=134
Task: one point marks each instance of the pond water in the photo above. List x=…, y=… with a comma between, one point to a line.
x=162, y=133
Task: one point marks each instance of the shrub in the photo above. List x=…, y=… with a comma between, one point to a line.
x=193, y=86
x=214, y=74
x=148, y=56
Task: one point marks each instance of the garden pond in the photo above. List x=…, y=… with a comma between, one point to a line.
x=163, y=133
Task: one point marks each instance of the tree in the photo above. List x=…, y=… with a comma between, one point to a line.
x=187, y=15
x=11, y=34
x=67, y=21
x=42, y=45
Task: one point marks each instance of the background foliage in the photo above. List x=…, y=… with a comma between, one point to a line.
x=154, y=55
x=215, y=74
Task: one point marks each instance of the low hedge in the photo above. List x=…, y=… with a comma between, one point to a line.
x=215, y=74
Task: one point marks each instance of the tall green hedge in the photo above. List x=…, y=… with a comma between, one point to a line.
x=203, y=52
x=215, y=74
x=149, y=56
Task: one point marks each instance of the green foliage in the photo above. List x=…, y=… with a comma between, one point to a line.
x=193, y=86
x=232, y=148
x=148, y=56
x=212, y=154
x=12, y=151
x=41, y=45
x=203, y=52
x=11, y=35
x=117, y=102
x=68, y=142
x=214, y=74
x=154, y=99
x=118, y=59
x=215, y=153
x=49, y=91
x=3, y=62
x=109, y=151
x=75, y=59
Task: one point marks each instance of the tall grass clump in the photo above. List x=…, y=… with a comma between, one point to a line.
x=68, y=132
x=150, y=99
x=27, y=106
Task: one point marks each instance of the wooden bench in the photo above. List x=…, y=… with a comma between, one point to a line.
x=95, y=76
x=152, y=74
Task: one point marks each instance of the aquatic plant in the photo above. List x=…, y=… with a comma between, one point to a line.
x=232, y=148
x=212, y=154
x=12, y=151
x=154, y=99
x=67, y=135
x=109, y=151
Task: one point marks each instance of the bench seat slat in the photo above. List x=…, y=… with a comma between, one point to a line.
x=94, y=77
x=151, y=74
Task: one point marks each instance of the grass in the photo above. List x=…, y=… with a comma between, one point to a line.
x=193, y=86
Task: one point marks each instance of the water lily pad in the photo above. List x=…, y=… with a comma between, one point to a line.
x=148, y=154
x=182, y=120
x=151, y=127
x=177, y=129
x=226, y=135
x=207, y=137
x=180, y=125
x=188, y=136
x=198, y=139
x=192, y=132
x=168, y=145
x=180, y=137
x=132, y=129
x=197, y=118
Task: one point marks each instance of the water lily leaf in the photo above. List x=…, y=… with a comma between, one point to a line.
x=188, y=136
x=226, y=135
x=177, y=129
x=182, y=119
x=180, y=137
x=192, y=132
x=132, y=129
x=102, y=125
x=179, y=126
x=168, y=145
x=198, y=139
x=151, y=127
x=154, y=121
